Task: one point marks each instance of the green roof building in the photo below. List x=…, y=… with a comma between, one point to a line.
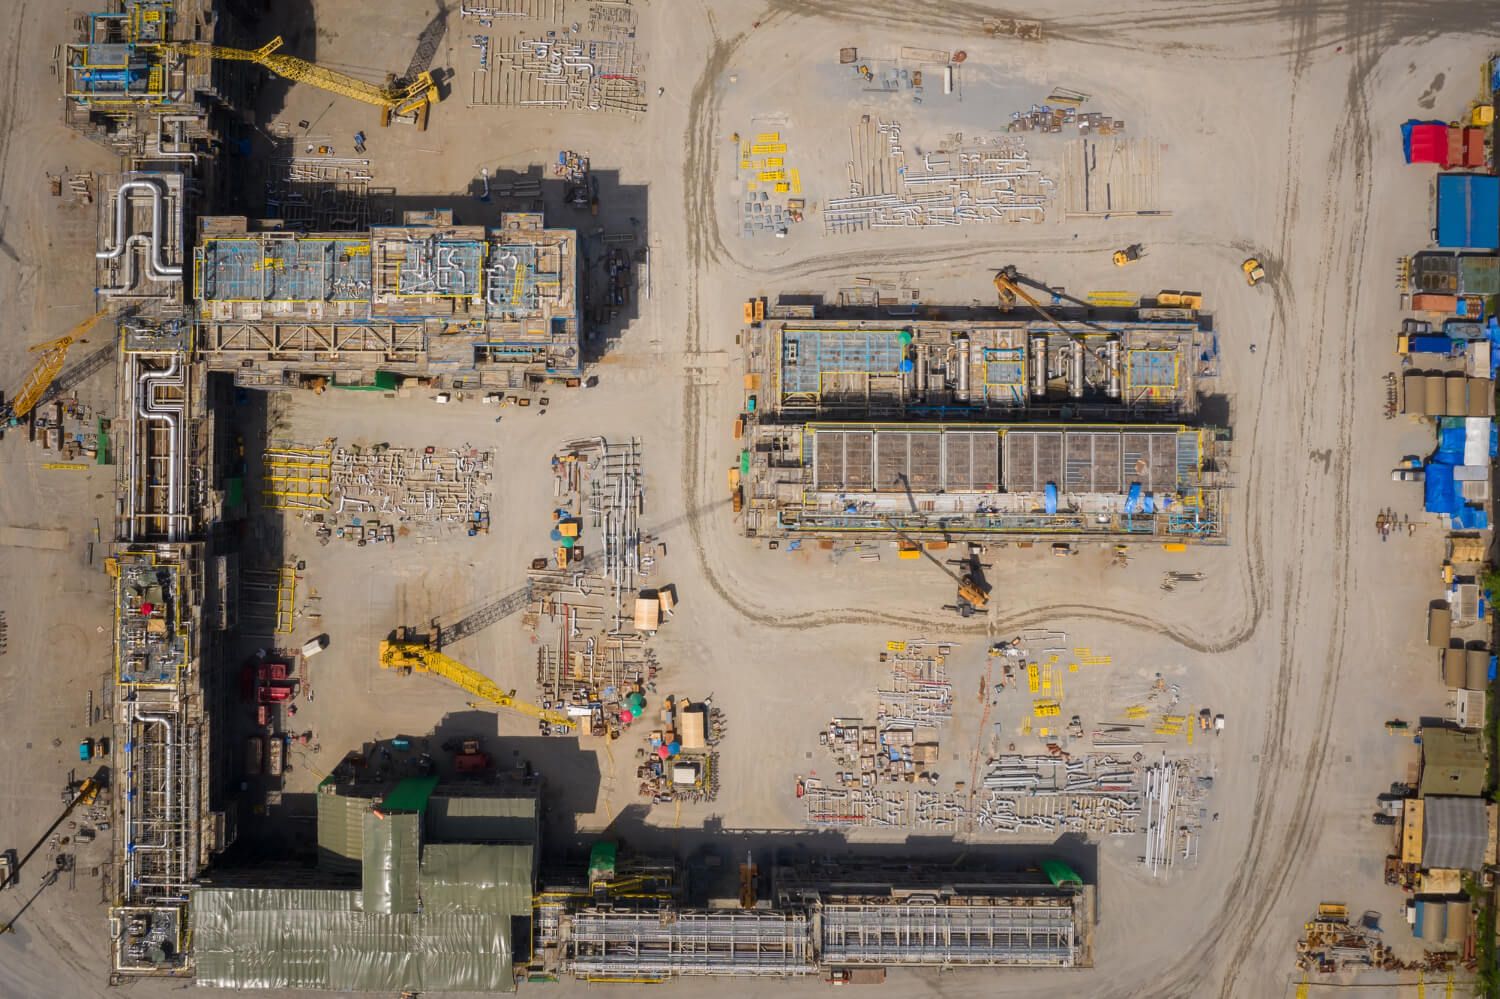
x=423, y=888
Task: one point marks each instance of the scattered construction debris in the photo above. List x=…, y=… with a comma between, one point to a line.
x=679, y=762
x=773, y=200
x=1331, y=943
x=989, y=179
x=1050, y=118
x=597, y=69
x=598, y=486
x=902, y=742
x=373, y=494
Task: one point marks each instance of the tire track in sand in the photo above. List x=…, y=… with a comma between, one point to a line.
x=705, y=246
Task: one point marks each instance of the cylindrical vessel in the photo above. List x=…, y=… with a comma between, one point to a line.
x=1453, y=668
x=1477, y=669
x=1432, y=920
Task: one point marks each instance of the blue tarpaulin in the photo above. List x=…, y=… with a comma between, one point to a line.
x=1468, y=211
x=1433, y=147
x=1441, y=495
x=1133, y=498
x=1051, y=497
x=1429, y=345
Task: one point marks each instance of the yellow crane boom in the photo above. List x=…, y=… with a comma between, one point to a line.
x=414, y=653
x=971, y=590
x=409, y=101
x=40, y=377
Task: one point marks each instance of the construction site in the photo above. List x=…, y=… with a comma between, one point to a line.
x=544, y=493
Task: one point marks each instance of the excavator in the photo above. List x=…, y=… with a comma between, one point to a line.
x=411, y=651
x=397, y=102
x=973, y=591
x=44, y=372
x=1010, y=286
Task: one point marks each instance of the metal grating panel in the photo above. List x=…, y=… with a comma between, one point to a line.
x=969, y=934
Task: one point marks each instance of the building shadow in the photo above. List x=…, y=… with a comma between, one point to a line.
x=709, y=858
x=252, y=23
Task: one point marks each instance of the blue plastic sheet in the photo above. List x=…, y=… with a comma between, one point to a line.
x=1407, y=128
x=1430, y=345
x=1051, y=497
x=1441, y=495
x=1133, y=498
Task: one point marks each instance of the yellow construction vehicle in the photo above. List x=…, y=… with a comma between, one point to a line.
x=1009, y=286
x=1129, y=255
x=40, y=377
x=84, y=793
x=403, y=102
x=409, y=651
x=973, y=591
x=1254, y=272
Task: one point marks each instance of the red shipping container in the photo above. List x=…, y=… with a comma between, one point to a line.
x=1435, y=303
x=276, y=694
x=1473, y=152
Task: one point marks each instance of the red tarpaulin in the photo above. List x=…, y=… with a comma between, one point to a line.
x=1428, y=144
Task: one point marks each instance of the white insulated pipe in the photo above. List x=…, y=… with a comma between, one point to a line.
x=156, y=266
x=151, y=409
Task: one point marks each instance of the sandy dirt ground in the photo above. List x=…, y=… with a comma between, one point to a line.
x=1279, y=124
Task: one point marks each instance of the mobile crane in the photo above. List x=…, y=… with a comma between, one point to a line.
x=53, y=354
x=973, y=591
x=86, y=792
x=411, y=651
x=1009, y=285
x=401, y=102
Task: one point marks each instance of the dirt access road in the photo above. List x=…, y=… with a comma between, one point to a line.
x=1281, y=122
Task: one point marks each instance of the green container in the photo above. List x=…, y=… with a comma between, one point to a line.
x=1060, y=873
x=745, y=463
x=385, y=381
x=602, y=862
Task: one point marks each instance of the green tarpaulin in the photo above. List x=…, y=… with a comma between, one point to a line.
x=410, y=795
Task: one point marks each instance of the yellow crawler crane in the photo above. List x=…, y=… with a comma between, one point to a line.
x=412, y=652
x=408, y=102
x=44, y=372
